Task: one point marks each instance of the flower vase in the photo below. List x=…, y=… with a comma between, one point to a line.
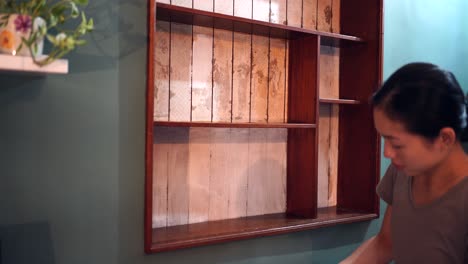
x=15, y=27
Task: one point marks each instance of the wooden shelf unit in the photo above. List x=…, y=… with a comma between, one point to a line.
x=359, y=145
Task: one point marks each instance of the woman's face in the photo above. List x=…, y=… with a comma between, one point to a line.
x=410, y=153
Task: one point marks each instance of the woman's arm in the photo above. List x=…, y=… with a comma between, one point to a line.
x=377, y=249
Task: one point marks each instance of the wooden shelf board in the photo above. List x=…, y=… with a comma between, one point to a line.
x=233, y=125
x=191, y=16
x=338, y=101
x=20, y=64
x=184, y=236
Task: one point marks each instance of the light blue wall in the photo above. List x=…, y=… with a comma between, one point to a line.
x=72, y=147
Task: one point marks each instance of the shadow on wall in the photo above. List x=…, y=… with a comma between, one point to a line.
x=26, y=243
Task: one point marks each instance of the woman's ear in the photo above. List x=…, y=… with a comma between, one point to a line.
x=447, y=137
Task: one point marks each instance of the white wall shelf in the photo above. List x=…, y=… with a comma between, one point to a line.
x=19, y=64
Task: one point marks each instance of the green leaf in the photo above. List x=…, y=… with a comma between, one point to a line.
x=74, y=10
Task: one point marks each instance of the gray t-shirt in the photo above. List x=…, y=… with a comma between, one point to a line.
x=433, y=233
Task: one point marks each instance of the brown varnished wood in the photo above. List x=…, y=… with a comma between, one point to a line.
x=184, y=236
x=302, y=144
x=151, y=16
x=210, y=19
x=360, y=75
x=235, y=125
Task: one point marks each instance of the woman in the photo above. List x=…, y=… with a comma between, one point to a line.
x=421, y=112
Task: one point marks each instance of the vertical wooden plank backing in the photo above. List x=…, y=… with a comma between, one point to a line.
x=180, y=75
x=219, y=174
x=259, y=88
x=243, y=8
x=239, y=138
x=161, y=149
x=359, y=166
x=324, y=15
x=309, y=14
x=199, y=174
x=275, y=183
x=302, y=143
x=177, y=182
x=257, y=194
x=278, y=13
x=238, y=170
x=261, y=10
x=202, y=78
x=336, y=5
x=323, y=154
x=184, y=3
x=294, y=13
x=241, y=77
x=222, y=75
x=206, y=5
x=276, y=138
x=161, y=72
x=276, y=78
x=224, y=7
x=328, y=132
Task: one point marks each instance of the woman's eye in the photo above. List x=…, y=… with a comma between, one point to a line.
x=397, y=147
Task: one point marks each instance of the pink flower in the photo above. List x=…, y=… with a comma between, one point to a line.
x=22, y=23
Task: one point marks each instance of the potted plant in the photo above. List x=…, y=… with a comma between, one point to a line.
x=24, y=24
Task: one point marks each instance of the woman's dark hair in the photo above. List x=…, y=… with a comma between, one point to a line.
x=425, y=98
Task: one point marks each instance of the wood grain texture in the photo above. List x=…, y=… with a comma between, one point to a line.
x=261, y=10
x=164, y=1
x=277, y=80
x=274, y=187
x=224, y=7
x=161, y=71
x=222, y=75
x=219, y=174
x=161, y=152
x=257, y=195
x=199, y=163
x=278, y=12
x=324, y=15
x=241, y=77
x=180, y=76
x=177, y=182
x=335, y=24
x=259, y=87
x=309, y=14
x=206, y=5
x=237, y=166
x=202, y=79
x=294, y=15
x=243, y=8
x=329, y=128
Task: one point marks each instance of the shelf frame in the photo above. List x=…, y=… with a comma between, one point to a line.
x=356, y=202
x=184, y=15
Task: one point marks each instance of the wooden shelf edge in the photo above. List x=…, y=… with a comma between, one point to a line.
x=21, y=64
x=338, y=101
x=249, y=230
x=233, y=125
x=168, y=12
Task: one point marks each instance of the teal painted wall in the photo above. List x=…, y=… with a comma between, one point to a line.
x=72, y=147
